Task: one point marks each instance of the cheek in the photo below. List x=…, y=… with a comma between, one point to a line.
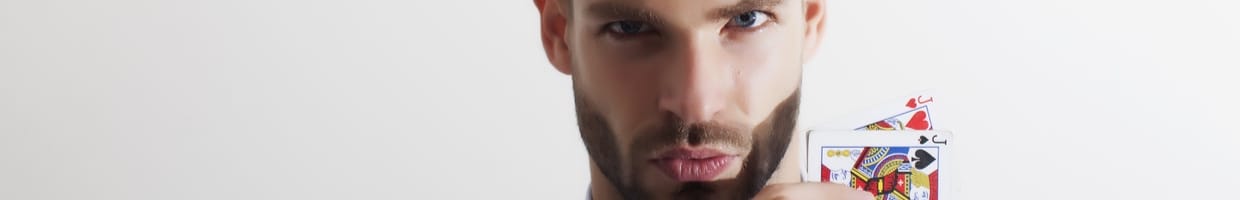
x=621, y=88
x=768, y=69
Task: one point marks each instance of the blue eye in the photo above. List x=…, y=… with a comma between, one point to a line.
x=627, y=27
x=749, y=19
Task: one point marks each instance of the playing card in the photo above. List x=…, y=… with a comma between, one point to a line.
x=910, y=113
x=892, y=165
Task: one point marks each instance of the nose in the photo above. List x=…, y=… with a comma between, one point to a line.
x=698, y=80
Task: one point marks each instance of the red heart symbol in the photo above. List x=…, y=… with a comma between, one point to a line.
x=918, y=122
x=912, y=103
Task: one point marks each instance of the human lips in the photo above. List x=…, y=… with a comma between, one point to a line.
x=693, y=164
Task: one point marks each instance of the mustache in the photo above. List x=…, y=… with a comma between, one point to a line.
x=673, y=131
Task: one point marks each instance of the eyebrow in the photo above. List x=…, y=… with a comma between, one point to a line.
x=617, y=10
x=745, y=6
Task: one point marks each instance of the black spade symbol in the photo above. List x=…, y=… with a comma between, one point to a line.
x=923, y=140
x=921, y=159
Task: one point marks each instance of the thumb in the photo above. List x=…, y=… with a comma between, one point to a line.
x=826, y=191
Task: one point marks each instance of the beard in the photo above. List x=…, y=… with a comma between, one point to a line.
x=766, y=142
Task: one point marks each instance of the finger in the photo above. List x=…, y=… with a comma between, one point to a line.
x=825, y=191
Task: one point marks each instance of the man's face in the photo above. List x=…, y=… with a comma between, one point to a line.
x=686, y=99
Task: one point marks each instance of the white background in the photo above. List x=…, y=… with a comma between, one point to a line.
x=400, y=99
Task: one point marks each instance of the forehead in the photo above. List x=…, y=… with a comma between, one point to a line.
x=670, y=8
